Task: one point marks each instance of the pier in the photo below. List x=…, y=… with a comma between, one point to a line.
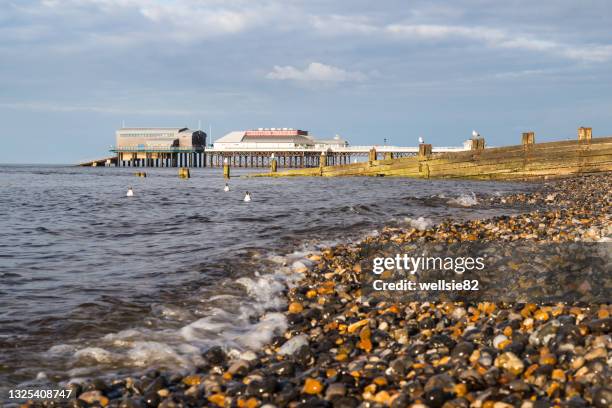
x=256, y=148
x=252, y=158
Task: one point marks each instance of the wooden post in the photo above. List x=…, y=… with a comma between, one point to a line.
x=478, y=143
x=424, y=150
x=226, y=168
x=273, y=165
x=388, y=155
x=528, y=138
x=372, y=155
x=323, y=160
x=184, y=172
x=585, y=134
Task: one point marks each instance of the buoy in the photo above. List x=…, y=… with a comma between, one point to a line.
x=247, y=197
x=130, y=192
x=226, y=188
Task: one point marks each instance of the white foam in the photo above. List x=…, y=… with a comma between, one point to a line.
x=60, y=349
x=240, y=322
x=171, y=312
x=96, y=354
x=464, y=200
x=420, y=223
x=145, y=353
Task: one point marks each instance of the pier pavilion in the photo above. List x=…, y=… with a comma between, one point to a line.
x=160, y=147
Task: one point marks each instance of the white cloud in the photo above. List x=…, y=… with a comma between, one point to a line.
x=315, y=71
x=496, y=38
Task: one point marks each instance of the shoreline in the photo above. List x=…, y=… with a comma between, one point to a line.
x=341, y=352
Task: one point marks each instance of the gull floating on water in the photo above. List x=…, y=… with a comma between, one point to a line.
x=226, y=188
x=130, y=192
x=247, y=197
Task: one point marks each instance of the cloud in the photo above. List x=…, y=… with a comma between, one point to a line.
x=315, y=71
x=497, y=38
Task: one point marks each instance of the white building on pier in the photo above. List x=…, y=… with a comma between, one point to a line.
x=274, y=138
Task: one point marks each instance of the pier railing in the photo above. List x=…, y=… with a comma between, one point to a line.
x=156, y=149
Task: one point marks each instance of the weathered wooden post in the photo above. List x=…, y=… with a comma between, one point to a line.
x=226, y=168
x=322, y=163
x=585, y=134
x=424, y=151
x=478, y=143
x=424, y=155
x=372, y=155
x=184, y=172
x=388, y=155
x=528, y=138
x=273, y=164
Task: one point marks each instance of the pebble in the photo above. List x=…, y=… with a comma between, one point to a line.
x=312, y=386
x=510, y=362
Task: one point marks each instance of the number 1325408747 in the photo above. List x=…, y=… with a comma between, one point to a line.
x=41, y=394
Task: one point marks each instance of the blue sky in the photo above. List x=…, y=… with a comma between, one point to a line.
x=72, y=70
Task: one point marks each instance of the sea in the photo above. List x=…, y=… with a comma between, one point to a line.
x=97, y=284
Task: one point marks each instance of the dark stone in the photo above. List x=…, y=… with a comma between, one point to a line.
x=265, y=386
x=129, y=403
x=462, y=350
x=215, y=355
x=576, y=402
x=345, y=402
x=96, y=384
x=602, y=398
x=441, y=340
x=441, y=381
x=156, y=385
x=427, y=323
x=313, y=402
x=600, y=326
x=436, y=397
x=515, y=347
x=401, y=401
x=519, y=386
x=542, y=403
x=151, y=399
x=399, y=366
x=286, y=395
x=295, y=319
x=283, y=369
x=303, y=356
x=235, y=388
x=491, y=376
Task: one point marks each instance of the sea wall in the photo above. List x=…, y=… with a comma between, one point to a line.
x=526, y=161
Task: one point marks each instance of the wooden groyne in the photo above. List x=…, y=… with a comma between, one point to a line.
x=528, y=160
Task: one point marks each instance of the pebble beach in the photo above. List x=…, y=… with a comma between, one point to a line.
x=341, y=350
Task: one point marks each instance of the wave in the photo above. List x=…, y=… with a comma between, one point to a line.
x=464, y=200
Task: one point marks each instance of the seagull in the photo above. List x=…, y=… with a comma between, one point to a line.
x=421, y=140
x=130, y=192
x=226, y=188
x=247, y=197
x=475, y=134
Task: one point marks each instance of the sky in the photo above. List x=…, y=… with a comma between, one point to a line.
x=72, y=71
